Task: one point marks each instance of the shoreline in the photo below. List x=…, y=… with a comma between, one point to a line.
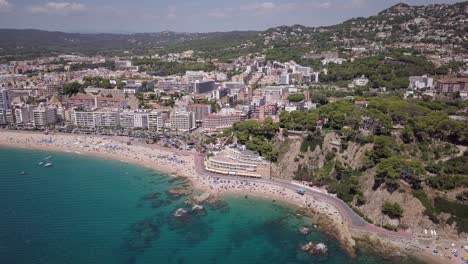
x=176, y=163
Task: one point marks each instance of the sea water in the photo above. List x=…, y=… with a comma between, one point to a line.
x=90, y=210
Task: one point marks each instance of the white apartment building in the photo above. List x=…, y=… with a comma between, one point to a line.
x=134, y=119
x=132, y=89
x=238, y=161
x=182, y=121
x=361, y=81
x=141, y=119
x=83, y=118
x=155, y=121
x=285, y=78
x=23, y=114
x=420, y=82
x=3, y=119
x=44, y=116
x=193, y=76
x=106, y=117
x=127, y=118
x=302, y=70
x=4, y=99
x=101, y=117
x=327, y=61
x=4, y=105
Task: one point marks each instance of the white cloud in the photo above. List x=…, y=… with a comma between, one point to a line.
x=259, y=7
x=267, y=7
x=59, y=8
x=171, y=16
x=217, y=13
x=222, y=12
x=5, y=6
x=358, y=3
x=325, y=5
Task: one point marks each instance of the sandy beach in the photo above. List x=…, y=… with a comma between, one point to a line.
x=180, y=163
x=157, y=158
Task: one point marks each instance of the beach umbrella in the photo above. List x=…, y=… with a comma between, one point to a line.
x=465, y=257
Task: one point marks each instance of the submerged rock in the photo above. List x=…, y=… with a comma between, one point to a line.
x=191, y=201
x=181, y=179
x=212, y=200
x=215, y=203
x=315, y=248
x=157, y=203
x=150, y=196
x=180, y=212
x=304, y=230
x=141, y=234
x=197, y=207
x=179, y=192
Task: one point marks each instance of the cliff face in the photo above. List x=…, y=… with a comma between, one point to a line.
x=289, y=148
x=342, y=167
x=413, y=210
x=291, y=157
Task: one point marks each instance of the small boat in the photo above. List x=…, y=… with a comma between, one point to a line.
x=40, y=163
x=22, y=173
x=47, y=158
x=48, y=165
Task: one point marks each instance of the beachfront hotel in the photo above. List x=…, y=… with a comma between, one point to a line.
x=238, y=161
x=91, y=118
x=182, y=121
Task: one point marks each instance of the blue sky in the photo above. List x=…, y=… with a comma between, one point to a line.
x=184, y=16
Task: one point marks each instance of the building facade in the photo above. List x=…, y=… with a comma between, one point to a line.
x=4, y=105
x=219, y=121
x=202, y=87
x=44, y=116
x=182, y=121
x=200, y=110
x=452, y=87
x=238, y=161
x=97, y=101
x=106, y=117
x=155, y=121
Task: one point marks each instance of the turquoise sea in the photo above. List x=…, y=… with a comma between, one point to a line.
x=89, y=210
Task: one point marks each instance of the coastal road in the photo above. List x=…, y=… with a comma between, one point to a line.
x=355, y=222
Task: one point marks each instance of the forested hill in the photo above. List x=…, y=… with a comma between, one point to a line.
x=402, y=23
x=439, y=24
x=14, y=41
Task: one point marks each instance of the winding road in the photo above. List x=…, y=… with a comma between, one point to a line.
x=355, y=222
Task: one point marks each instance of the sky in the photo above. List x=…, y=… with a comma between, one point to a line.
x=129, y=16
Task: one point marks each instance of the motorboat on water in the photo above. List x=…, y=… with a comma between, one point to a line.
x=40, y=163
x=48, y=158
x=48, y=165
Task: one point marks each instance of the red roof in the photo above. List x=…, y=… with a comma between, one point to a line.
x=99, y=98
x=360, y=102
x=221, y=115
x=199, y=105
x=453, y=80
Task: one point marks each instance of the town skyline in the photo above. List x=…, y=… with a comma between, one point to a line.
x=100, y=17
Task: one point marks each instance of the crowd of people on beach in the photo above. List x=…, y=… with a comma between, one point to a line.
x=270, y=190
x=105, y=147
